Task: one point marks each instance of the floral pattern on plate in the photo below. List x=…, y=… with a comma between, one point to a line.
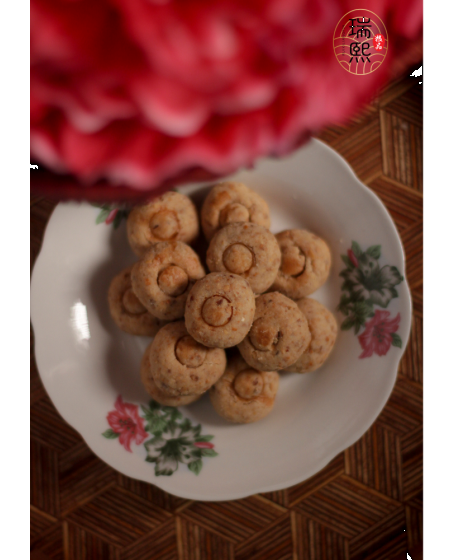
x=365, y=285
x=110, y=215
x=175, y=439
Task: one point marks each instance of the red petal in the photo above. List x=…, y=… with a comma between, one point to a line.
x=204, y=444
x=113, y=419
x=125, y=440
x=392, y=326
x=111, y=216
x=119, y=405
x=353, y=258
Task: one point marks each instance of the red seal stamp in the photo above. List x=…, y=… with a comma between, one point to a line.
x=378, y=42
x=360, y=42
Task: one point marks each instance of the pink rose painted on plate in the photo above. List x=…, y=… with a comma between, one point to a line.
x=379, y=334
x=126, y=424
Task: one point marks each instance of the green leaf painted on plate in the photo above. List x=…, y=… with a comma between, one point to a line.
x=374, y=251
x=176, y=415
x=203, y=438
x=356, y=249
x=102, y=216
x=345, y=304
x=118, y=219
x=110, y=434
x=155, y=425
x=347, y=261
x=195, y=466
x=396, y=340
x=347, y=324
x=209, y=453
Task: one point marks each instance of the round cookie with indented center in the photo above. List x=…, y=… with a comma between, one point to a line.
x=220, y=309
x=170, y=217
x=305, y=263
x=127, y=311
x=180, y=365
x=152, y=389
x=164, y=276
x=244, y=394
x=278, y=336
x=248, y=250
x=323, y=330
x=232, y=202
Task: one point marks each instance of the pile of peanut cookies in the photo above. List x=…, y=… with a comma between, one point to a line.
x=255, y=298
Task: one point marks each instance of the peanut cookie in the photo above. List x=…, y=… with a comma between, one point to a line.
x=152, y=389
x=170, y=217
x=244, y=394
x=180, y=365
x=305, y=263
x=127, y=311
x=278, y=336
x=323, y=329
x=232, y=202
x=220, y=310
x=164, y=276
x=248, y=250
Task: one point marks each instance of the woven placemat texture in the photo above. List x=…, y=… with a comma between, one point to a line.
x=366, y=504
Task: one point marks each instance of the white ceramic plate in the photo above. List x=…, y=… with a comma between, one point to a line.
x=86, y=363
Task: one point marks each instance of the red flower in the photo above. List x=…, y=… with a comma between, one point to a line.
x=146, y=93
x=377, y=337
x=204, y=444
x=127, y=422
x=111, y=216
x=353, y=258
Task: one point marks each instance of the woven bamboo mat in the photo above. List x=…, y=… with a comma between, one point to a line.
x=366, y=504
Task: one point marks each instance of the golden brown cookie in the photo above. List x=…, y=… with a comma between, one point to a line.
x=152, y=389
x=127, y=311
x=164, y=276
x=278, y=336
x=248, y=250
x=232, y=202
x=244, y=394
x=323, y=329
x=220, y=309
x=180, y=365
x=170, y=217
x=305, y=263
